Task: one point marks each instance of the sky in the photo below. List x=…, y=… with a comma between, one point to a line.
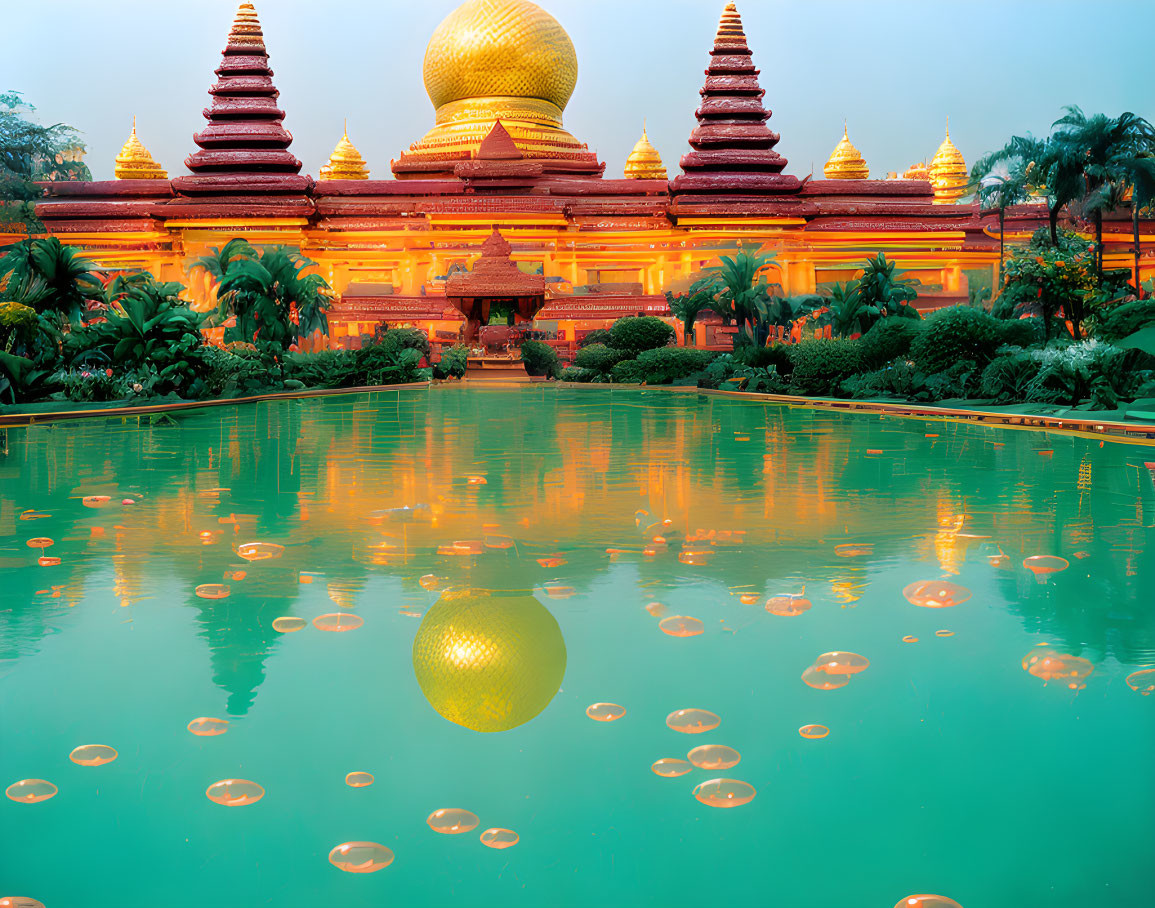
x=894, y=70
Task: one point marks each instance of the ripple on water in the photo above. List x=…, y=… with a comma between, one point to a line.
x=927, y=901
x=814, y=731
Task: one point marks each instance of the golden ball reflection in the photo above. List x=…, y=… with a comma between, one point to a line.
x=486, y=661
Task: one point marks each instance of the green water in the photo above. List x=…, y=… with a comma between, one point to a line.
x=949, y=769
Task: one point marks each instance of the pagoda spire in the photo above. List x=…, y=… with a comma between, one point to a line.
x=244, y=148
x=733, y=157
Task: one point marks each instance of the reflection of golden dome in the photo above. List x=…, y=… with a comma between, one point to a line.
x=846, y=162
x=493, y=60
x=948, y=172
x=489, y=663
x=500, y=48
x=135, y=163
x=644, y=162
x=345, y=163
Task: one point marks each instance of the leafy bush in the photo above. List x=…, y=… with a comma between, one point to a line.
x=887, y=340
x=18, y=325
x=728, y=372
x=539, y=358
x=597, y=336
x=390, y=363
x=577, y=374
x=1022, y=332
x=956, y=334
x=1070, y=373
x=664, y=365
x=820, y=366
x=234, y=369
x=324, y=369
x=95, y=385
x=776, y=357
x=628, y=372
x=397, y=339
x=1123, y=320
x=961, y=380
x=637, y=334
x=1007, y=378
x=598, y=358
x=899, y=379
x=454, y=362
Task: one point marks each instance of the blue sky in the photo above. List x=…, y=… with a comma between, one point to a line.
x=894, y=69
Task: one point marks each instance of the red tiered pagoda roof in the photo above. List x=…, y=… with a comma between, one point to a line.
x=733, y=161
x=244, y=151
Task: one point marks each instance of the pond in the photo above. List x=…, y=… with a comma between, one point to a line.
x=499, y=609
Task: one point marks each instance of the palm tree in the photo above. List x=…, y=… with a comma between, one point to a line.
x=1138, y=173
x=880, y=288
x=688, y=306
x=1001, y=190
x=742, y=284
x=217, y=262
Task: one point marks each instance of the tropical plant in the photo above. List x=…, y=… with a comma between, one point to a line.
x=688, y=306
x=1007, y=178
x=888, y=339
x=53, y=278
x=216, y=263
x=1050, y=278
x=780, y=311
x=453, y=363
x=880, y=288
x=740, y=283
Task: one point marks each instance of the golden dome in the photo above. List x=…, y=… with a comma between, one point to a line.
x=345, y=163
x=135, y=163
x=644, y=162
x=846, y=162
x=948, y=172
x=917, y=172
x=500, y=48
x=488, y=662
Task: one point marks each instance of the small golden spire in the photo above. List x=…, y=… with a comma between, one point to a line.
x=846, y=161
x=644, y=162
x=948, y=172
x=247, y=27
x=345, y=163
x=134, y=161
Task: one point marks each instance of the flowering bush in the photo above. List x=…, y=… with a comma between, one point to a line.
x=95, y=385
x=1049, y=280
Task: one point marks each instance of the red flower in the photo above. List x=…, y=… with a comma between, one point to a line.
x=108, y=372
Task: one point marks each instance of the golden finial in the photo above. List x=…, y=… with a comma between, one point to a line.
x=345, y=163
x=134, y=161
x=948, y=172
x=846, y=161
x=644, y=162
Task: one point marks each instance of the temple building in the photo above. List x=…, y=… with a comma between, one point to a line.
x=500, y=186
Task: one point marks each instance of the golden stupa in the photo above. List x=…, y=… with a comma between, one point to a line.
x=135, y=163
x=345, y=163
x=948, y=173
x=491, y=60
x=917, y=172
x=247, y=27
x=846, y=162
x=644, y=162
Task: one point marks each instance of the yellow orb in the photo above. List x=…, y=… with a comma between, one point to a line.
x=488, y=662
x=500, y=48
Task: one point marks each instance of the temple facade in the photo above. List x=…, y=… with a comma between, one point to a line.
x=499, y=74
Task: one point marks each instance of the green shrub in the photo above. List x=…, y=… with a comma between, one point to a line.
x=1007, y=378
x=665, y=365
x=454, y=362
x=1022, y=332
x=389, y=364
x=888, y=339
x=577, y=374
x=539, y=358
x=598, y=357
x=728, y=372
x=235, y=369
x=324, y=369
x=101, y=385
x=1123, y=320
x=397, y=339
x=628, y=372
x=637, y=334
x=952, y=335
x=961, y=380
x=899, y=379
x=820, y=366
x=597, y=336
x=776, y=356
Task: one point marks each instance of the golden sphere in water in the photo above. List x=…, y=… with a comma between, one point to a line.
x=488, y=662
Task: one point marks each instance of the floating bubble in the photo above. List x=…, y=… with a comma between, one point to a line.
x=213, y=591
x=725, y=793
x=359, y=779
x=288, y=624
x=814, y=731
x=820, y=680
x=839, y=663
x=93, y=754
x=693, y=721
x=552, y=562
x=854, y=549
x=338, y=621
x=234, y=792
x=207, y=727
x=47, y=561
x=259, y=551
x=910, y=639
x=1142, y=681
x=927, y=901
x=499, y=838
x=31, y=791
x=19, y=901
x=787, y=606
x=670, y=768
x=432, y=582
x=749, y=598
x=96, y=501
x=944, y=633
x=605, y=712
x=452, y=821
x=656, y=609
x=681, y=626
x=936, y=594
x=1044, y=565
x=361, y=857
x=1044, y=662
x=714, y=756
x=475, y=480
x=40, y=542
